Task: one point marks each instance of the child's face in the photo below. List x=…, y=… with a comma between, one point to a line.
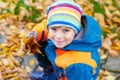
x=61, y=36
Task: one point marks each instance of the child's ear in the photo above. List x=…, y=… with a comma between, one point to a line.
x=84, y=21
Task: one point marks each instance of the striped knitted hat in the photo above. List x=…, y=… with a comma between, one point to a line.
x=64, y=13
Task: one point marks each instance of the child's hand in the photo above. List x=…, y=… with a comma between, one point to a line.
x=31, y=45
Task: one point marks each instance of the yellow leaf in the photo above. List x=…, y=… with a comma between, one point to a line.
x=4, y=15
x=6, y=49
x=32, y=62
x=28, y=69
x=16, y=62
x=111, y=8
x=9, y=75
x=11, y=64
x=109, y=22
x=108, y=13
x=100, y=18
x=1, y=52
x=13, y=47
x=3, y=45
x=112, y=36
x=106, y=30
x=9, y=54
x=13, y=28
x=115, y=47
x=109, y=78
x=22, y=34
x=19, y=69
x=19, y=53
x=23, y=13
x=39, y=7
x=1, y=78
x=29, y=25
x=116, y=13
x=15, y=78
x=0, y=63
x=5, y=62
x=116, y=19
x=118, y=43
x=103, y=56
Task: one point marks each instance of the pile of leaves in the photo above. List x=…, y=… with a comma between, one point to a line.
x=18, y=17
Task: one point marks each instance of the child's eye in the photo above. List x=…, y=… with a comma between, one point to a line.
x=54, y=29
x=66, y=30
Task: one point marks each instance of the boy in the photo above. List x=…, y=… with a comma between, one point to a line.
x=73, y=39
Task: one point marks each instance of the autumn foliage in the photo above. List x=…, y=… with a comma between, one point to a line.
x=18, y=17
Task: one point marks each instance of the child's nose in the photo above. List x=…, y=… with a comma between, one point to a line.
x=59, y=35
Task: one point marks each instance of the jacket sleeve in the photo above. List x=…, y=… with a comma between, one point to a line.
x=41, y=31
x=42, y=60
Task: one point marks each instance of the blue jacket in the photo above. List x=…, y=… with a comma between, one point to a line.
x=81, y=60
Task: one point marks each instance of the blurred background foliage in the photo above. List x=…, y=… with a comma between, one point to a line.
x=18, y=17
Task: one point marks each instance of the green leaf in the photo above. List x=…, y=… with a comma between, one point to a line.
x=35, y=14
x=114, y=3
x=97, y=7
x=4, y=0
x=19, y=4
x=6, y=10
x=118, y=36
x=114, y=29
x=104, y=34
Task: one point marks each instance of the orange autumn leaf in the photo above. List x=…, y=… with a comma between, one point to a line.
x=115, y=47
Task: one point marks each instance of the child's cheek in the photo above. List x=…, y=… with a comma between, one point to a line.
x=50, y=35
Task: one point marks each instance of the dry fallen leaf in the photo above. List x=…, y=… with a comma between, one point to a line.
x=108, y=78
x=113, y=53
x=15, y=27
x=31, y=45
x=28, y=69
x=106, y=43
x=32, y=62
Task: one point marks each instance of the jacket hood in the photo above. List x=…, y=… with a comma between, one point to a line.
x=91, y=40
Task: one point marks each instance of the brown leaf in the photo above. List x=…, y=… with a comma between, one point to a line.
x=112, y=36
x=106, y=43
x=105, y=29
x=116, y=19
x=108, y=13
x=1, y=78
x=113, y=53
x=31, y=45
x=102, y=55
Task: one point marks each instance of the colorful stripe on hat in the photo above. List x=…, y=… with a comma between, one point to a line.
x=65, y=13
